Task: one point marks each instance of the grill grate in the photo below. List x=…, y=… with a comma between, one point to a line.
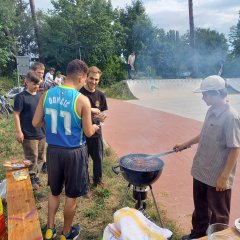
x=137, y=162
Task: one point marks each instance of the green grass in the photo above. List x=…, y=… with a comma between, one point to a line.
x=6, y=84
x=9, y=147
x=119, y=91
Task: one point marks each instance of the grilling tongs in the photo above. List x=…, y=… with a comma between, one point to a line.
x=163, y=153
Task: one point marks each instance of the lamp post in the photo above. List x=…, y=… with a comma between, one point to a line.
x=80, y=54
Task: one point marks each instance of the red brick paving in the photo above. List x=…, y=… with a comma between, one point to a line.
x=134, y=129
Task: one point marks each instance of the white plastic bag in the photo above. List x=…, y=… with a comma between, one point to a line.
x=3, y=189
x=107, y=235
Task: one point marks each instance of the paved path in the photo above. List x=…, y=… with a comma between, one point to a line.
x=132, y=128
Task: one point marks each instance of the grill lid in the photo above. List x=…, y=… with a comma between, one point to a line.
x=137, y=162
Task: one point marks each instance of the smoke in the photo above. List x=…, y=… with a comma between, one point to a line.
x=169, y=55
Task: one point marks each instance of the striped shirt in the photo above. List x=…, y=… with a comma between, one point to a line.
x=220, y=133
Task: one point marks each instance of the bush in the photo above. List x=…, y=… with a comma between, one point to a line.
x=119, y=91
x=6, y=84
x=114, y=71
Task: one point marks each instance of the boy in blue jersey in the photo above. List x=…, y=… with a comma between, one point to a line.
x=67, y=117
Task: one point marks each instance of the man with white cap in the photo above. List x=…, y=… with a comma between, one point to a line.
x=214, y=164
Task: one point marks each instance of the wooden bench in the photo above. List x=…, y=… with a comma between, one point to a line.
x=23, y=222
x=230, y=231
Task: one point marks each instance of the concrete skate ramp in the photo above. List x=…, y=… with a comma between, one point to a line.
x=176, y=96
x=234, y=83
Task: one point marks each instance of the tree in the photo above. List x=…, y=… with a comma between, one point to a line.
x=135, y=23
x=16, y=33
x=192, y=38
x=87, y=28
x=36, y=27
x=211, y=49
x=234, y=38
x=7, y=39
x=232, y=65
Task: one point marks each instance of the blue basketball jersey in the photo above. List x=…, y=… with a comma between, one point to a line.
x=63, y=124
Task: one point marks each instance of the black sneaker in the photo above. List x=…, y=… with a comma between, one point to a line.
x=44, y=167
x=189, y=237
x=35, y=186
x=73, y=235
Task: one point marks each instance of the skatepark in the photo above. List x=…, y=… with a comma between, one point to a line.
x=166, y=112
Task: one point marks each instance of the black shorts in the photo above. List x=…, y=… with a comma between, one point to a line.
x=68, y=166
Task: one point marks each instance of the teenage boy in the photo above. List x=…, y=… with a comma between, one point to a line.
x=48, y=81
x=67, y=117
x=98, y=108
x=39, y=69
x=31, y=138
x=214, y=164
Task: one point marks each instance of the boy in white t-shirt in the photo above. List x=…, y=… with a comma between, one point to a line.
x=48, y=81
x=58, y=78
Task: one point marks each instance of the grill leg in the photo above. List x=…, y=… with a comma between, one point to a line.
x=155, y=203
x=140, y=197
x=125, y=195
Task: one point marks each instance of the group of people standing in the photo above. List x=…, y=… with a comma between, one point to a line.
x=68, y=118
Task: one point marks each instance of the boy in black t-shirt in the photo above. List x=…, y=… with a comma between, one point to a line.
x=38, y=68
x=98, y=107
x=31, y=138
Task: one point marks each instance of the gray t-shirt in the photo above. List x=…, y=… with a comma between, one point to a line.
x=220, y=133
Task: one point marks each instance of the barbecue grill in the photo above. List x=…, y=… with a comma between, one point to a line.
x=140, y=174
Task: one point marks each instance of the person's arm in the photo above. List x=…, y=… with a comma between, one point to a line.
x=221, y=184
x=180, y=147
x=38, y=120
x=129, y=59
x=84, y=110
x=95, y=110
x=19, y=133
x=101, y=116
x=51, y=80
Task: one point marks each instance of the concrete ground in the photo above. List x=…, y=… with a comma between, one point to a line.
x=166, y=113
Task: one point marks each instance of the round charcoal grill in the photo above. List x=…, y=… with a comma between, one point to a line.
x=138, y=171
x=141, y=170
x=140, y=174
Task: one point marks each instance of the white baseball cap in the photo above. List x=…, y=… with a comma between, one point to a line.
x=211, y=83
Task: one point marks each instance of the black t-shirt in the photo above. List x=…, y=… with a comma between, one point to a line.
x=26, y=104
x=97, y=100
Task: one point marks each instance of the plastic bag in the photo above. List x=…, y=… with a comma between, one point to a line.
x=3, y=190
x=107, y=235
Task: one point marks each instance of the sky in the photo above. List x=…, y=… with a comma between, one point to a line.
x=217, y=15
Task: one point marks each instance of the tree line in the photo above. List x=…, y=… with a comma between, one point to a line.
x=101, y=35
